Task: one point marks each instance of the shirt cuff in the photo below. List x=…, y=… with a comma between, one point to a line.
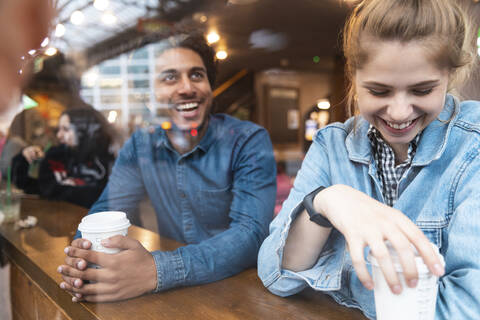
x=170, y=269
x=326, y=274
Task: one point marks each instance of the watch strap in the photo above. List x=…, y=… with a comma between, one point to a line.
x=314, y=215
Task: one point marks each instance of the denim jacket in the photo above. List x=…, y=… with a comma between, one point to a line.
x=218, y=198
x=440, y=192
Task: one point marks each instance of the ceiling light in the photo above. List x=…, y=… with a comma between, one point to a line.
x=323, y=104
x=100, y=4
x=59, y=30
x=77, y=17
x=200, y=17
x=213, y=37
x=90, y=77
x=109, y=18
x=222, y=54
x=112, y=116
x=51, y=51
x=45, y=42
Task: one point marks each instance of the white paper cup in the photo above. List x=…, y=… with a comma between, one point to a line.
x=413, y=303
x=102, y=225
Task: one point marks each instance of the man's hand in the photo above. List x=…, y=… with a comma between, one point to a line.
x=127, y=274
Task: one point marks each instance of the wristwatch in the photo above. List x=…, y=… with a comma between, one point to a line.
x=314, y=215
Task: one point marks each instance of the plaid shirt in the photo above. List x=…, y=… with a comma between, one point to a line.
x=388, y=173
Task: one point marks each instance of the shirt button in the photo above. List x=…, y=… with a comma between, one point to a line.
x=182, y=195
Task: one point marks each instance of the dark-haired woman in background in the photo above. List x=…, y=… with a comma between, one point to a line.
x=76, y=170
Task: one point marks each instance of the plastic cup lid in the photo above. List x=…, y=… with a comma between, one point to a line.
x=106, y=221
x=421, y=266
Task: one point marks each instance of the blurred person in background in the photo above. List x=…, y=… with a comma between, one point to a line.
x=211, y=181
x=77, y=169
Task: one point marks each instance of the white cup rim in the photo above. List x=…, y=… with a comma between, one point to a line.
x=105, y=221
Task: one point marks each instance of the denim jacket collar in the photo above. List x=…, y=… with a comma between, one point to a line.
x=208, y=139
x=431, y=145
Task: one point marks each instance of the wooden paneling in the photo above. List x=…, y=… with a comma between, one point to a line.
x=29, y=302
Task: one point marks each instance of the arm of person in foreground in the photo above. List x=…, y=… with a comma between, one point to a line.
x=221, y=256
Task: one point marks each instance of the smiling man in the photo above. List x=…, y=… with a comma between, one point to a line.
x=210, y=178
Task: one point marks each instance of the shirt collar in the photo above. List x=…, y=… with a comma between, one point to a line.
x=376, y=139
x=431, y=143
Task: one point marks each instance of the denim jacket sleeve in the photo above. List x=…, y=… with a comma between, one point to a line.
x=326, y=273
x=251, y=210
x=125, y=188
x=459, y=290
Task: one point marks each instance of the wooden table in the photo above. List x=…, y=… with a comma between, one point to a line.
x=35, y=254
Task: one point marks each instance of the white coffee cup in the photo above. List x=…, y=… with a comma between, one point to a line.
x=102, y=225
x=413, y=303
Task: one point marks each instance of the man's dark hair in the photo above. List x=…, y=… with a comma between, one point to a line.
x=198, y=44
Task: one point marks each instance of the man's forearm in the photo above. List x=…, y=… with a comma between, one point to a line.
x=219, y=257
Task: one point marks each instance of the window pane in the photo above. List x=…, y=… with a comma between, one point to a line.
x=139, y=98
x=110, y=99
x=111, y=83
x=139, y=54
x=137, y=69
x=88, y=99
x=110, y=69
x=139, y=83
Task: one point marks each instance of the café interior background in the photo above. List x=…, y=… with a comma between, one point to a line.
x=280, y=65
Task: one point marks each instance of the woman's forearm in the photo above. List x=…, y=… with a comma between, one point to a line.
x=304, y=244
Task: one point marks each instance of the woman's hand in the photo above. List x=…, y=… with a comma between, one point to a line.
x=33, y=153
x=364, y=221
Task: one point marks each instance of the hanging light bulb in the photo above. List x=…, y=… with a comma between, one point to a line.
x=213, y=37
x=59, y=30
x=51, y=51
x=109, y=19
x=222, y=55
x=101, y=4
x=77, y=18
x=45, y=42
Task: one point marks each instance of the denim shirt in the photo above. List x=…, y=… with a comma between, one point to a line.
x=218, y=198
x=440, y=193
